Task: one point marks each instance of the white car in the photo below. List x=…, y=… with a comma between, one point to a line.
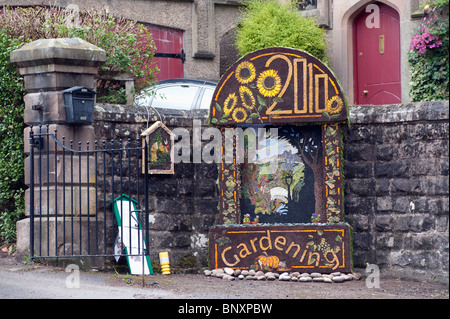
x=179, y=94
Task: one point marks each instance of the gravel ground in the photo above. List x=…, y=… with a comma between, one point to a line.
x=43, y=281
x=199, y=286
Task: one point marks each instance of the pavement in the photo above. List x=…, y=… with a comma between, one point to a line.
x=41, y=281
x=18, y=281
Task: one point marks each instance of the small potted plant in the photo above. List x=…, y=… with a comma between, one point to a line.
x=255, y=220
x=315, y=218
x=246, y=219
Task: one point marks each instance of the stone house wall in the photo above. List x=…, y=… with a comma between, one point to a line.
x=396, y=193
x=203, y=23
x=209, y=26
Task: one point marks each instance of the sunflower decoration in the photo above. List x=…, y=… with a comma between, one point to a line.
x=247, y=98
x=269, y=83
x=230, y=103
x=245, y=72
x=239, y=115
x=334, y=105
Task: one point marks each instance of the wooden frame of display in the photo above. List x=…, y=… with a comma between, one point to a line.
x=160, y=143
x=287, y=88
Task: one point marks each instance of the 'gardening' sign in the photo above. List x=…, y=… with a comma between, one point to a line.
x=303, y=248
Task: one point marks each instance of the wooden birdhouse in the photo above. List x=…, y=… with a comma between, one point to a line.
x=157, y=149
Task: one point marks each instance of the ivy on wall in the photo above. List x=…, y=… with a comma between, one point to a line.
x=11, y=139
x=428, y=56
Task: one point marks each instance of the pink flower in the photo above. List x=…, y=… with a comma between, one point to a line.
x=424, y=39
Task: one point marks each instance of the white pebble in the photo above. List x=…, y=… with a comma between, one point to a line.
x=338, y=279
x=261, y=277
x=229, y=271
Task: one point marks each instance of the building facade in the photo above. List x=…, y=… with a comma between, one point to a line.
x=368, y=40
x=368, y=46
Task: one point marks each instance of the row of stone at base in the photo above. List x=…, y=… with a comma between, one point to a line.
x=230, y=274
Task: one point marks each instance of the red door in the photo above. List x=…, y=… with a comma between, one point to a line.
x=168, y=41
x=376, y=43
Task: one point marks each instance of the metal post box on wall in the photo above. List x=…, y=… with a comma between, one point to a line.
x=79, y=104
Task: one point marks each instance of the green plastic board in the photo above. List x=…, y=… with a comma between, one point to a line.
x=131, y=235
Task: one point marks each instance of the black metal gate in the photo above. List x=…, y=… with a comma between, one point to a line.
x=73, y=185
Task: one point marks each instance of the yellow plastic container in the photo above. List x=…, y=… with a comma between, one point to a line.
x=164, y=261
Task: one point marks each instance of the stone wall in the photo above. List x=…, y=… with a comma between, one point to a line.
x=396, y=174
x=396, y=177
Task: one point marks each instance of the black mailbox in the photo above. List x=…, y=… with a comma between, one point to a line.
x=79, y=103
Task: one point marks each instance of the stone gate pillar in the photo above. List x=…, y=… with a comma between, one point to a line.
x=50, y=66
